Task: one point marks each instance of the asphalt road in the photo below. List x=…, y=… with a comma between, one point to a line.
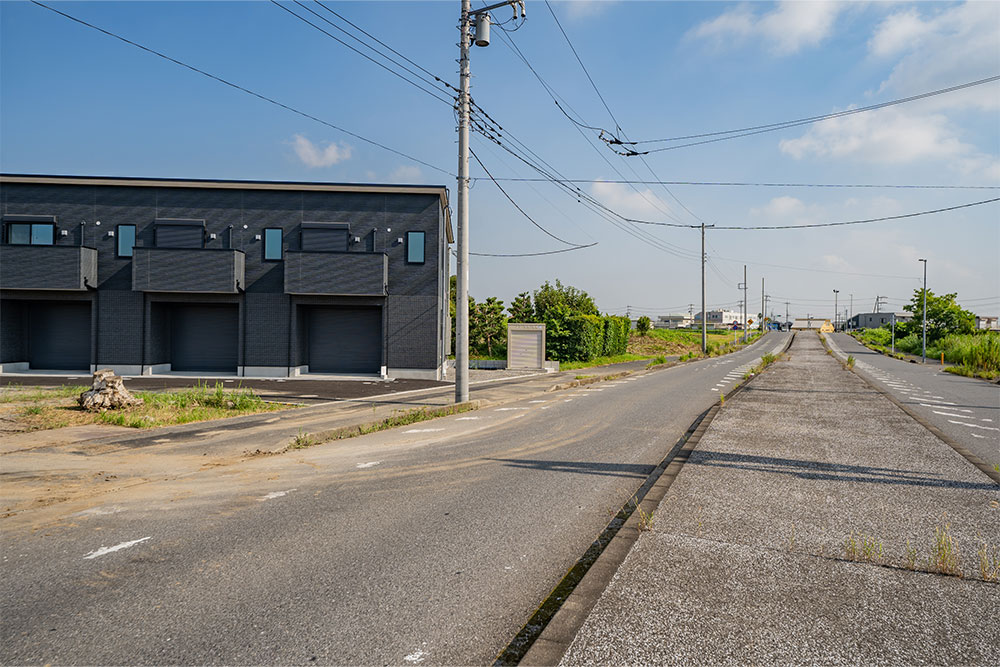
x=429, y=544
x=966, y=409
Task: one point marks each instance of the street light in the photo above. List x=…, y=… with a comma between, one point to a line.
x=835, y=310
x=479, y=37
x=923, y=352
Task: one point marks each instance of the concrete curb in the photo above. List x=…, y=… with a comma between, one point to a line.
x=549, y=647
x=941, y=435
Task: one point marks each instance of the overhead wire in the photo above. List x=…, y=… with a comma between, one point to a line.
x=764, y=185
x=305, y=20
x=726, y=135
x=522, y=211
x=243, y=89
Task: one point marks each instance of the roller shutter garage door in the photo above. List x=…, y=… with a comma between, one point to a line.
x=345, y=340
x=59, y=336
x=204, y=338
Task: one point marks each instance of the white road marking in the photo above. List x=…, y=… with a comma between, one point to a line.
x=976, y=435
x=504, y=410
x=367, y=465
x=536, y=401
x=97, y=511
x=466, y=419
x=948, y=414
x=714, y=389
x=423, y=430
x=118, y=547
x=416, y=657
x=275, y=494
x=987, y=420
x=985, y=428
x=546, y=407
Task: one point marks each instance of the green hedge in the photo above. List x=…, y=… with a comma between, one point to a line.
x=616, y=332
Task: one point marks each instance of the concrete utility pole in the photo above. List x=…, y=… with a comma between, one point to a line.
x=923, y=351
x=746, y=304
x=704, y=315
x=852, y=309
x=836, y=312
x=466, y=38
x=762, y=304
x=893, y=348
x=786, y=312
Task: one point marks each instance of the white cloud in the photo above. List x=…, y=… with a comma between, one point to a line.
x=406, y=174
x=787, y=211
x=938, y=49
x=315, y=156
x=891, y=136
x=786, y=29
x=625, y=200
x=579, y=9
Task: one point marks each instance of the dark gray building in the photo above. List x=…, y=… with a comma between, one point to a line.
x=876, y=320
x=269, y=279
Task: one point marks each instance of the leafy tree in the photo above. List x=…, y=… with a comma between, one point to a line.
x=452, y=291
x=521, y=310
x=944, y=316
x=492, y=326
x=575, y=301
x=643, y=325
x=475, y=326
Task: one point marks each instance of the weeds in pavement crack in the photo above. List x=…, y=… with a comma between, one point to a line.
x=945, y=557
x=989, y=562
x=645, y=518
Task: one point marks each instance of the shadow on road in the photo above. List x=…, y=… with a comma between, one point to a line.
x=636, y=470
x=837, y=472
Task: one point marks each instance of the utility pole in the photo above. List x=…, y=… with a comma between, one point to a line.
x=852, y=308
x=746, y=304
x=466, y=39
x=762, y=305
x=893, y=348
x=704, y=315
x=786, y=312
x=836, y=312
x=923, y=351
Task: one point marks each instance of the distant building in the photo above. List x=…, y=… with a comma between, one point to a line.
x=719, y=318
x=675, y=321
x=987, y=323
x=875, y=320
x=812, y=324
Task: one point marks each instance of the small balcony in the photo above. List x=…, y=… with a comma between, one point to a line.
x=336, y=273
x=48, y=267
x=191, y=270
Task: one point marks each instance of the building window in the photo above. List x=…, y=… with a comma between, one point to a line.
x=34, y=233
x=272, y=244
x=126, y=240
x=415, y=247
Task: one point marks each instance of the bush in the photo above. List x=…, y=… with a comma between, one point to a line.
x=980, y=352
x=643, y=325
x=881, y=337
x=616, y=332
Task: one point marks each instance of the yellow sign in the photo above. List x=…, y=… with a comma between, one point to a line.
x=750, y=321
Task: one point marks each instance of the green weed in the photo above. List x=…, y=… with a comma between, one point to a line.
x=945, y=557
x=863, y=548
x=303, y=440
x=850, y=361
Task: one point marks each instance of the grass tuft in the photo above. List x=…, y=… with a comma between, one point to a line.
x=945, y=557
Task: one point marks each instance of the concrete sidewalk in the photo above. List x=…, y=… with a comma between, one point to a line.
x=749, y=557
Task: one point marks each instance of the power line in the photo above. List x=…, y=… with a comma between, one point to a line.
x=771, y=127
x=764, y=185
x=240, y=88
x=518, y=207
x=368, y=34
x=870, y=220
x=416, y=85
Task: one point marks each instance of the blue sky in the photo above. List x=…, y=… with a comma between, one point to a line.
x=74, y=101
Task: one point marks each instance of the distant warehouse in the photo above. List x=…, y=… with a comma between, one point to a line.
x=876, y=320
x=247, y=278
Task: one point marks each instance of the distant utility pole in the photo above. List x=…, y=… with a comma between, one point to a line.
x=628, y=312
x=836, y=311
x=852, y=309
x=762, y=311
x=746, y=304
x=923, y=351
x=786, y=312
x=704, y=315
x=480, y=37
